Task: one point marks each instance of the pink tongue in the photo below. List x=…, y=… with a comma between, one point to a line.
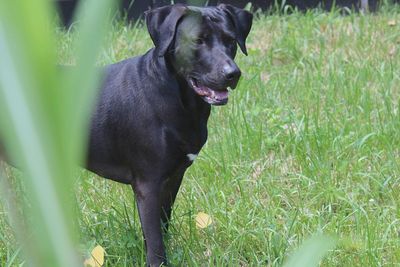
x=221, y=94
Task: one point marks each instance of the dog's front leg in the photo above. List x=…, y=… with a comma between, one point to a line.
x=147, y=193
x=168, y=196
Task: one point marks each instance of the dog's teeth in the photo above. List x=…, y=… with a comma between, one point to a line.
x=213, y=94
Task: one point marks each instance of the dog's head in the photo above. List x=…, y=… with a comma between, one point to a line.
x=201, y=44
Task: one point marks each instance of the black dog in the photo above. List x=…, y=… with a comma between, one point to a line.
x=151, y=118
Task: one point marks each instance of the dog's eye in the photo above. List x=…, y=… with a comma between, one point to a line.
x=199, y=41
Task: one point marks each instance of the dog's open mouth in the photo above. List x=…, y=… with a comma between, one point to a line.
x=211, y=96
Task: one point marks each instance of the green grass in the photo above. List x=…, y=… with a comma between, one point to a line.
x=308, y=143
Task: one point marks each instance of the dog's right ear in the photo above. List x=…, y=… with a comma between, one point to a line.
x=242, y=20
x=161, y=24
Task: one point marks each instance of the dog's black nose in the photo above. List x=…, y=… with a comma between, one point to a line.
x=231, y=72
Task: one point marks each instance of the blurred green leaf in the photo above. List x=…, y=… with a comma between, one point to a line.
x=44, y=117
x=81, y=82
x=311, y=252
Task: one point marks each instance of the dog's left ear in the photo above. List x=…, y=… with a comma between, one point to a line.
x=242, y=20
x=161, y=24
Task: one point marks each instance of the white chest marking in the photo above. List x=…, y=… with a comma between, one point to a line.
x=191, y=157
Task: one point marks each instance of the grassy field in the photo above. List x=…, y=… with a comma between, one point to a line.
x=308, y=143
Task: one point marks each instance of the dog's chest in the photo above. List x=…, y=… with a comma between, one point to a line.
x=187, y=138
x=194, y=142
